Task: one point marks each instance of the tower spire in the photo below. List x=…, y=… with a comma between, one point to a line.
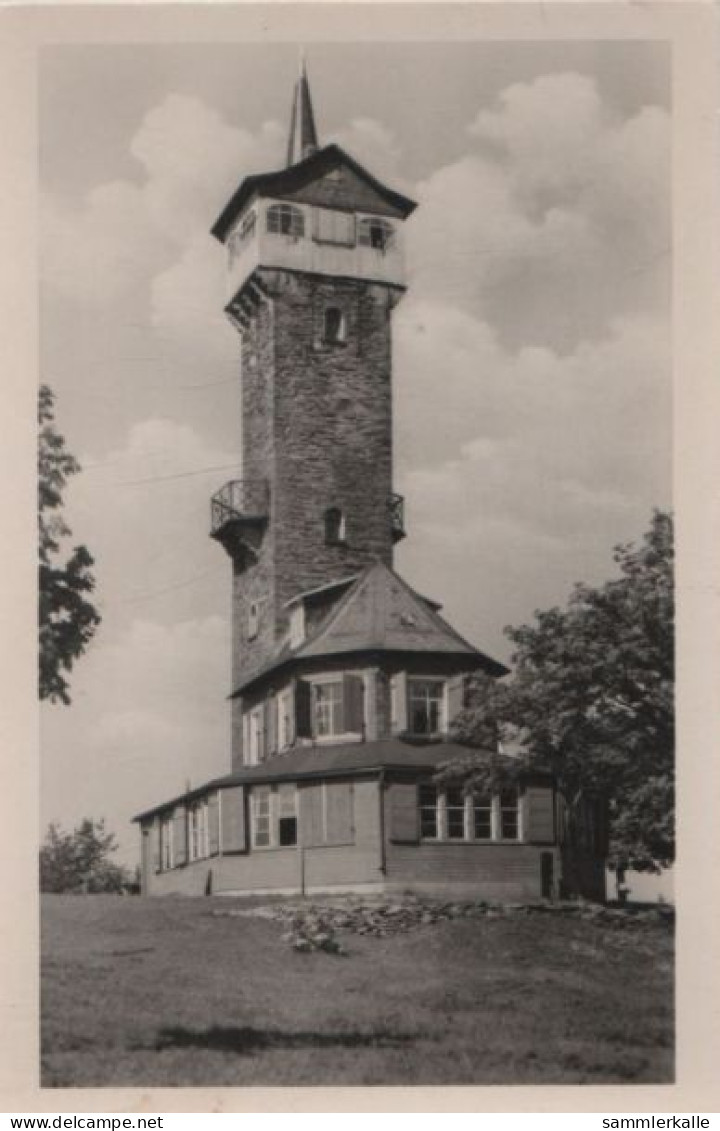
x=303, y=135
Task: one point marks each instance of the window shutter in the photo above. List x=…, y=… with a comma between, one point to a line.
x=539, y=815
x=334, y=227
x=353, y=704
x=339, y=799
x=311, y=816
x=214, y=824
x=155, y=844
x=303, y=709
x=398, y=692
x=455, y=699
x=180, y=836
x=233, y=836
x=270, y=725
x=404, y=812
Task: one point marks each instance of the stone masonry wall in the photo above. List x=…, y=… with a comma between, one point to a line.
x=333, y=431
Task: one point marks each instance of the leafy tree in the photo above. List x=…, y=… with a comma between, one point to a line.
x=80, y=861
x=591, y=699
x=67, y=619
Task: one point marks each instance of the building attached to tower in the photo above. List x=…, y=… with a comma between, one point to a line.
x=346, y=681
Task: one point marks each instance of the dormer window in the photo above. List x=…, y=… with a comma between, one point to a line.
x=286, y=220
x=334, y=527
x=375, y=233
x=334, y=326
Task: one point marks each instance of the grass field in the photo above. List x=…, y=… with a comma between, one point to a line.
x=162, y=992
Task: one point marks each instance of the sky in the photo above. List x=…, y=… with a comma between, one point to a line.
x=531, y=353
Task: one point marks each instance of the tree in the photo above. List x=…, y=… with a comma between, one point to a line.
x=80, y=861
x=591, y=699
x=67, y=619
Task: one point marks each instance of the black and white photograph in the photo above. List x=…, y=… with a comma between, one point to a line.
x=356, y=557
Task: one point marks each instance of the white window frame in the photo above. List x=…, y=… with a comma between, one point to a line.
x=273, y=814
x=258, y=794
x=285, y=716
x=364, y=226
x=296, y=220
x=340, y=336
x=255, y=733
x=409, y=680
x=197, y=832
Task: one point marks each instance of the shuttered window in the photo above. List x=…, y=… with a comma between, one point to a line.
x=328, y=708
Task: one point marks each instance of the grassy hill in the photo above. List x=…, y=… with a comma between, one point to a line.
x=177, y=991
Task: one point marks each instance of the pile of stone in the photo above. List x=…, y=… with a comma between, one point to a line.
x=315, y=926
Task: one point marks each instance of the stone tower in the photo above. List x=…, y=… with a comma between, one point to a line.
x=315, y=267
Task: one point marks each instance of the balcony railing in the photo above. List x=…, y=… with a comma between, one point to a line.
x=396, y=506
x=239, y=501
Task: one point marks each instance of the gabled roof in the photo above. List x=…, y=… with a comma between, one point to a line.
x=308, y=762
x=312, y=168
x=379, y=612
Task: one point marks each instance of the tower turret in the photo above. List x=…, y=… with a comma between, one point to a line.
x=315, y=267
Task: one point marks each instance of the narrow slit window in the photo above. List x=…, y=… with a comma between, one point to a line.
x=334, y=527
x=334, y=326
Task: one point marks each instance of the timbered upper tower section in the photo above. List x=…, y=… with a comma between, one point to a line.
x=314, y=269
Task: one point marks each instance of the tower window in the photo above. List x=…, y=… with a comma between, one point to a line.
x=334, y=527
x=375, y=233
x=334, y=325
x=286, y=220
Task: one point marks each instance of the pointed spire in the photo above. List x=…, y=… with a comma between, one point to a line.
x=303, y=136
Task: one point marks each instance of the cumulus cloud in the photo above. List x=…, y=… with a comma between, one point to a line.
x=124, y=233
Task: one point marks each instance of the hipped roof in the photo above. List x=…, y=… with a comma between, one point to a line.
x=379, y=612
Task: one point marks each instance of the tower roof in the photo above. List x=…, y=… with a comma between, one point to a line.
x=379, y=612
x=302, y=140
